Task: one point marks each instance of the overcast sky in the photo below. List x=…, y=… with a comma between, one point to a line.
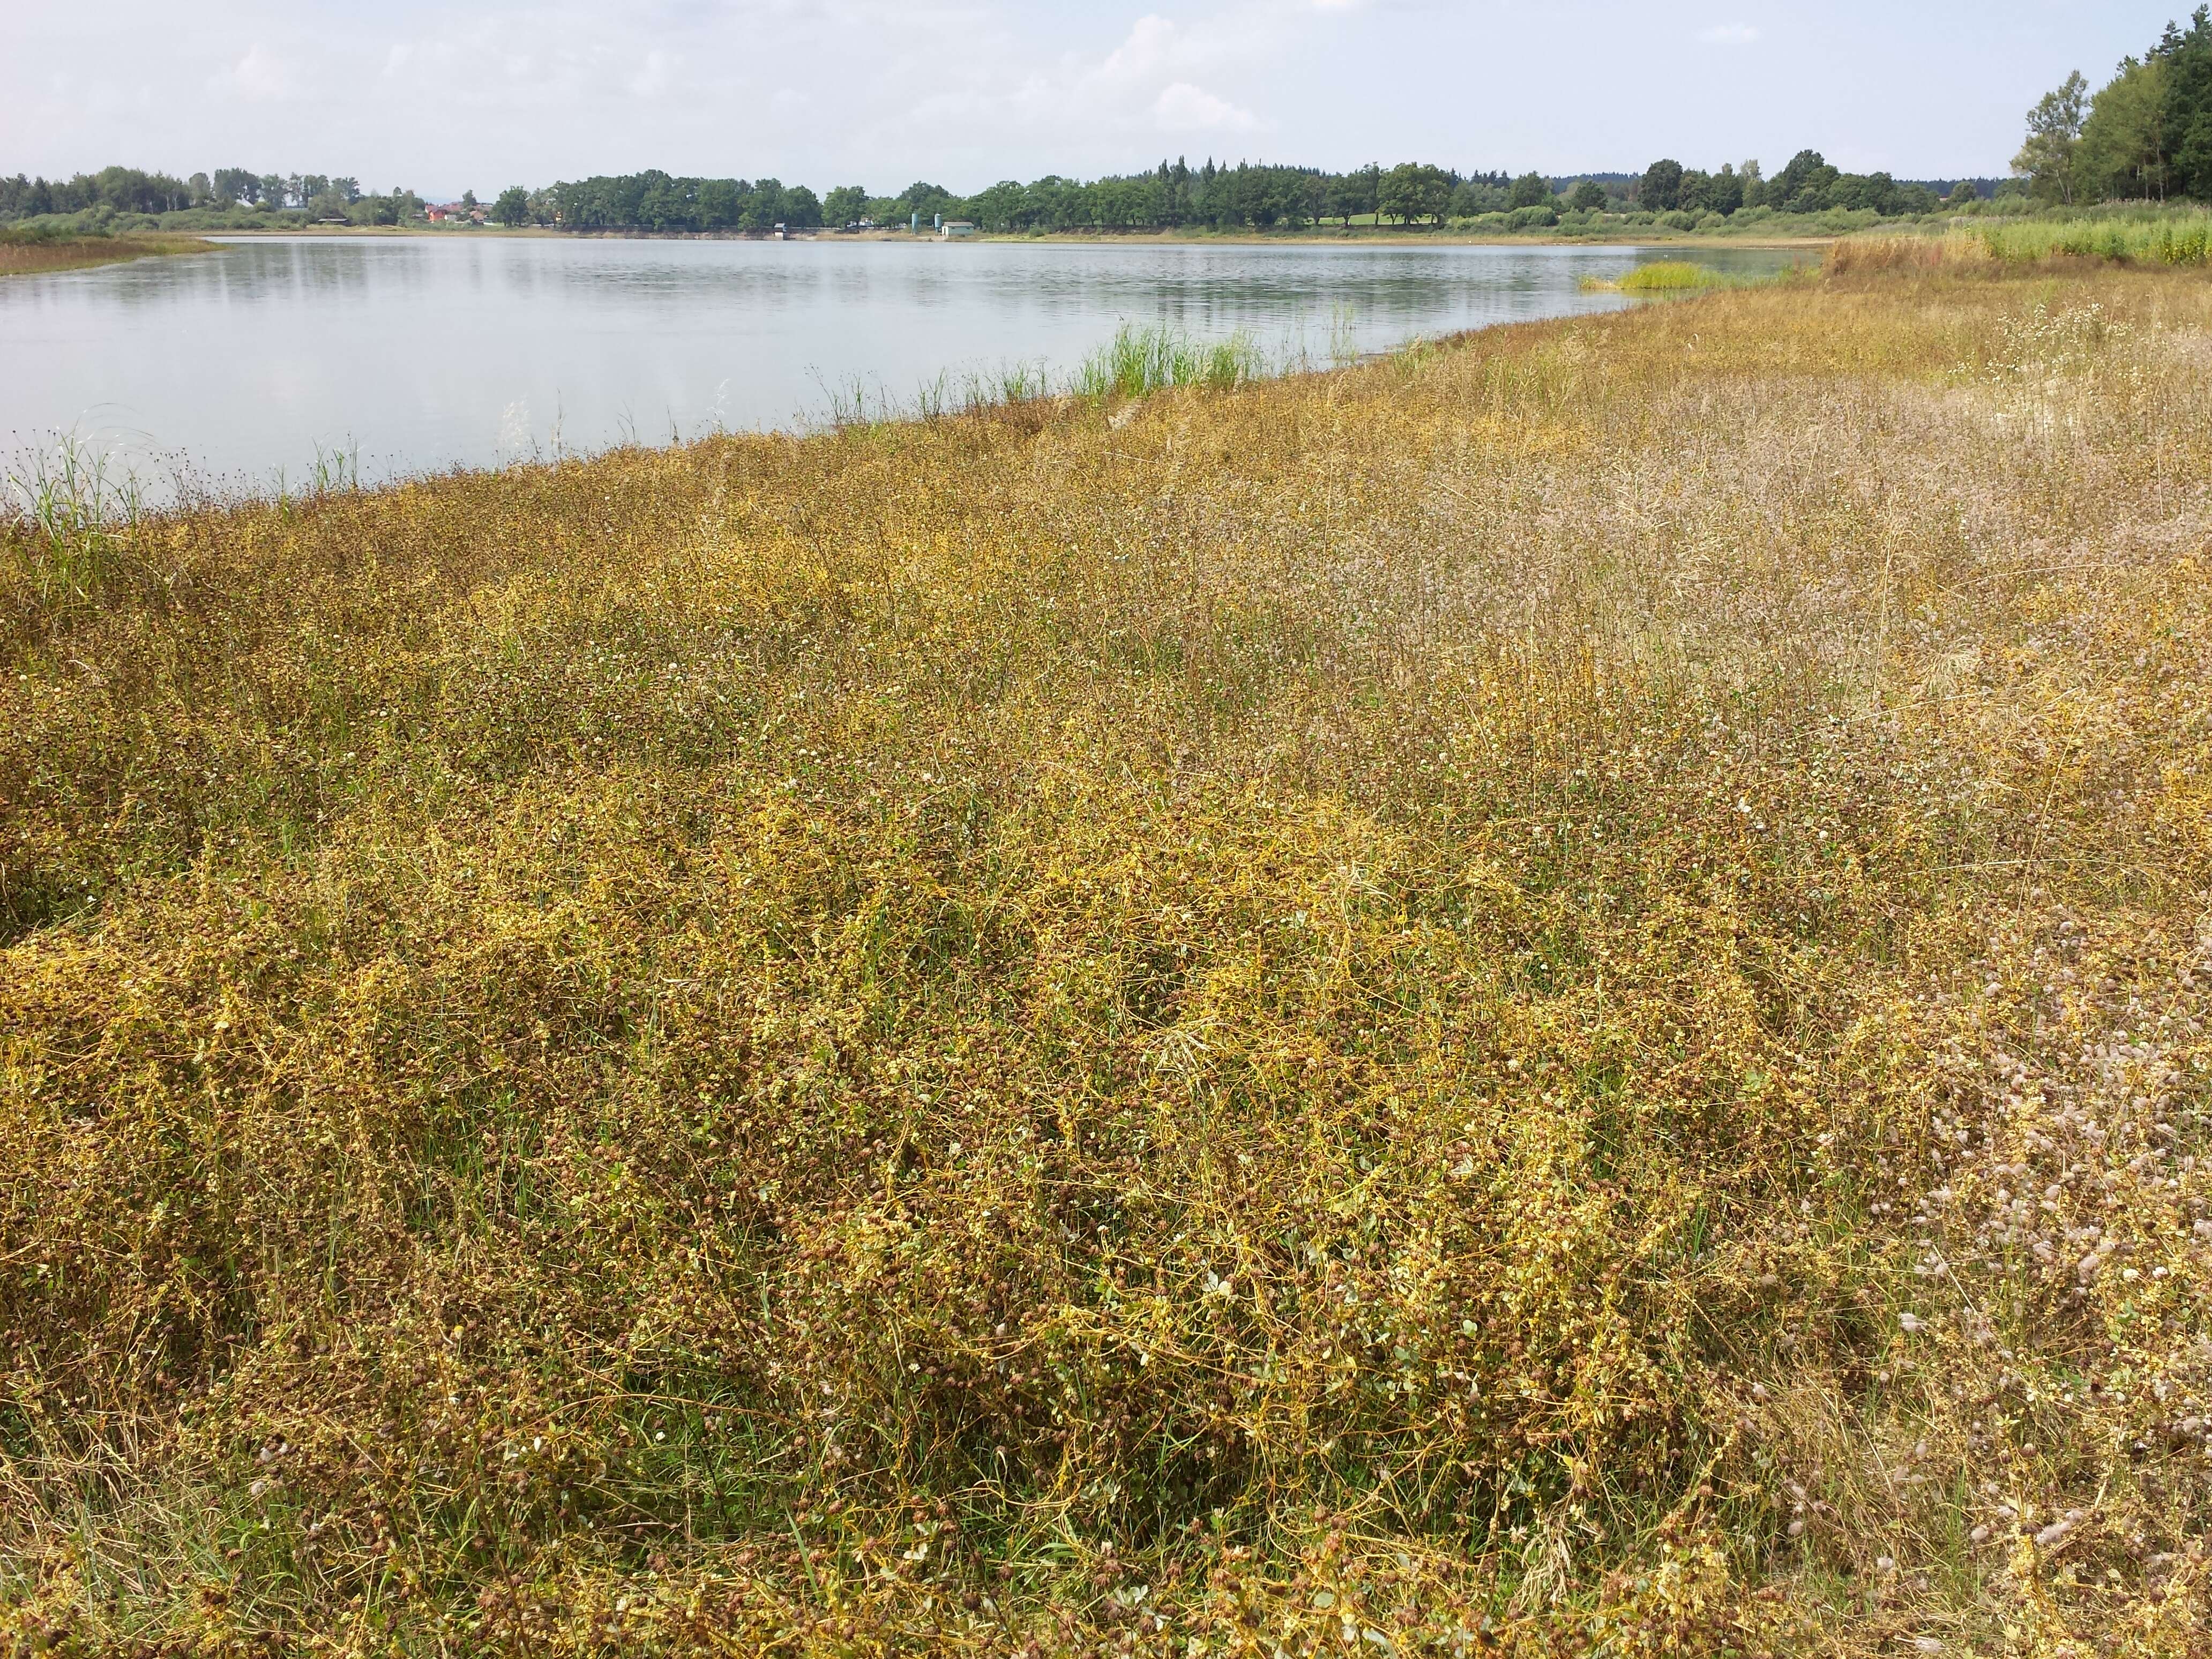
x=964, y=92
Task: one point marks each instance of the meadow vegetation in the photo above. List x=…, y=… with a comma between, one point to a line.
x=1548, y=995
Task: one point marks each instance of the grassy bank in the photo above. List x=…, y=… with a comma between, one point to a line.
x=1548, y=995
x=24, y=254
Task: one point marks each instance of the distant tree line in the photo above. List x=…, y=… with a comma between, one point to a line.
x=1245, y=195
x=1807, y=184
x=656, y=200
x=1217, y=196
x=1174, y=194
x=309, y=196
x=2147, y=135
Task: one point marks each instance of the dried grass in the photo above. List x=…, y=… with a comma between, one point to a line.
x=1546, y=995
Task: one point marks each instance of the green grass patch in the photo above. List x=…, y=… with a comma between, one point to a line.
x=1139, y=362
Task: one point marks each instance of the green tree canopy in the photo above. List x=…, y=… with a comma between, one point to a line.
x=2054, y=135
x=926, y=199
x=2146, y=135
x=1660, y=189
x=1529, y=189
x=2185, y=113
x=1412, y=191
x=1803, y=186
x=2124, y=148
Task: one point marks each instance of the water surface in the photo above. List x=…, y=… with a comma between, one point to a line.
x=416, y=354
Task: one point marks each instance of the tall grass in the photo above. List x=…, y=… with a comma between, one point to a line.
x=1140, y=360
x=1547, y=995
x=83, y=509
x=2167, y=239
x=1136, y=364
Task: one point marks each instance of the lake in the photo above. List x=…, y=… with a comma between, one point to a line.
x=238, y=369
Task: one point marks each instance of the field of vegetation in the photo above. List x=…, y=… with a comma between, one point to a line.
x=37, y=250
x=1547, y=996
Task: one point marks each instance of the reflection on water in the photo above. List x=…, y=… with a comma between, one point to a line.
x=424, y=353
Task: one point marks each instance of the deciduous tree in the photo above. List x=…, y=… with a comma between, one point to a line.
x=1529, y=189
x=1661, y=190
x=2054, y=135
x=1412, y=191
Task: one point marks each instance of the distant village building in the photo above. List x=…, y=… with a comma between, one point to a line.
x=955, y=227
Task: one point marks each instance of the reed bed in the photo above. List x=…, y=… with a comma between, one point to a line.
x=25, y=255
x=1546, y=996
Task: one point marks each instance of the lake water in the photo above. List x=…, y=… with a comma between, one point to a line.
x=416, y=353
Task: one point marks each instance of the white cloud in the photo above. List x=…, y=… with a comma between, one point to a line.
x=441, y=94
x=1162, y=76
x=654, y=77
x=1158, y=49
x=1151, y=44
x=1183, y=107
x=260, y=76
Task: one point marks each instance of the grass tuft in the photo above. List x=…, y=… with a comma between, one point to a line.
x=1138, y=362
x=80, y=510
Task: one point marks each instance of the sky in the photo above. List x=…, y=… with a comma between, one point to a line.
x=962, y=92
